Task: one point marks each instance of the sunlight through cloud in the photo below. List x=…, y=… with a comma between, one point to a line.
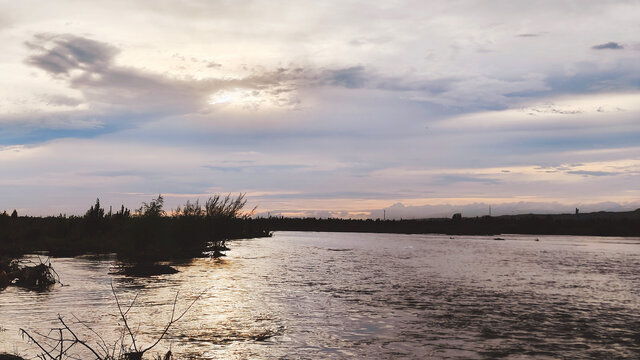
x=240, y=98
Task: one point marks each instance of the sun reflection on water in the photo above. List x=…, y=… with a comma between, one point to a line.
x=323, y=295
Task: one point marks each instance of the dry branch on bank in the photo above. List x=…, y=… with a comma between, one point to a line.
x=64, y=343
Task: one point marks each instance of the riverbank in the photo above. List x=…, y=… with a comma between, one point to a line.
x=156, y=238
x=194, y=230
x=587, y=224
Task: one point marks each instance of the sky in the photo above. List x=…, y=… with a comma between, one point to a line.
x=334, y=108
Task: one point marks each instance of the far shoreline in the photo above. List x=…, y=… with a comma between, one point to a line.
x=602, y=223
x=159, y=236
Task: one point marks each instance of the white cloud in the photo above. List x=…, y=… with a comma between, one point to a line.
x=567, y=112
x=333, y=106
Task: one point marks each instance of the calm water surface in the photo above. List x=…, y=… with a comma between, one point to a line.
x=335, y=295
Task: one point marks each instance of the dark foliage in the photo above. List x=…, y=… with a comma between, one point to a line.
x=27, y=274
x=144, y=269
x=194, y=229
x=148, y=235
x=595, y=224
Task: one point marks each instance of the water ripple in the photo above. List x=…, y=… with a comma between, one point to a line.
x=337, y=296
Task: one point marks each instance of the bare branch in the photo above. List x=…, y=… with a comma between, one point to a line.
x=124, y=318
x=98, y=357
x=173, y=320
x=104, y=347
x=45, y=352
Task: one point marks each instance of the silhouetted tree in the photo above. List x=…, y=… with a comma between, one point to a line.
x=95, y=212
x=123, y=213
x=153, y=208
x=14, y=214
x=190, y=209
x=226, y=207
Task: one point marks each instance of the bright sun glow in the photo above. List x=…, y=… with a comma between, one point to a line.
x=241, y=98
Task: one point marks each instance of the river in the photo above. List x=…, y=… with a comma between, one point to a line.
x=308, y=295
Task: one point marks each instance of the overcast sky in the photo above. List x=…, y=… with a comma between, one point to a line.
x=332, y=108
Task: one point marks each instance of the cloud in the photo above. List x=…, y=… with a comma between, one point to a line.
x=259, y=169
x=608, y=46
x=121, y=96
x=61, y=100
x=461, y=178
x=352, y=78
x=111, y=91
x=61, y=53
x=88, y=65
x=592, y=173
x=361, y=104
x=579, y=114
x=5, y=22
x=586, y=78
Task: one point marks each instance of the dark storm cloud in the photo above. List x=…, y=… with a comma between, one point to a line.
x=608, y=46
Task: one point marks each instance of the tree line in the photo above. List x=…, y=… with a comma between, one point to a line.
x=190, y=230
